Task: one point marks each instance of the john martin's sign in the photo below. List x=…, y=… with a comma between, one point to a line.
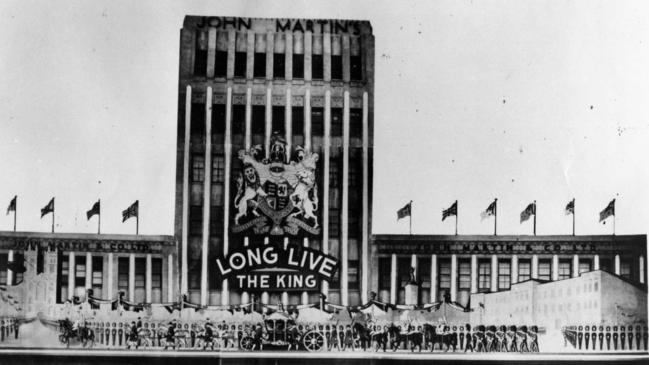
x=275, y=267
x=276, y=197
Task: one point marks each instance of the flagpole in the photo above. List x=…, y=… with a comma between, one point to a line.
x=410, y=218
x=534, y=229
x=456, y=213
x=495, y=216
x=99, y=217
x=15, y=211
x=137, y=222
x=53, y=211
x=573, y=216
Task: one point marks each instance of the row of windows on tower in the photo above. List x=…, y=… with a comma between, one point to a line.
x=279, y=65
x=258, y=118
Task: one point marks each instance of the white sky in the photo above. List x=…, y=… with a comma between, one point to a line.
x=474, y=100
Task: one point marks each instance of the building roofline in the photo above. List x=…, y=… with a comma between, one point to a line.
x=85, y=236
x=509, y=238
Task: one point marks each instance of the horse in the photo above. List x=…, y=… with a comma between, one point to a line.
x=362, y=336
x=413, y=339
x=380, y=337
x=84, y=334
x=444, y=338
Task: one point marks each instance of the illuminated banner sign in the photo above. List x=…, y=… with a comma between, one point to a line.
x=275, y=267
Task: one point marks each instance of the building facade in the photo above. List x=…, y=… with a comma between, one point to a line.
x=464, y=265
x=287, y=103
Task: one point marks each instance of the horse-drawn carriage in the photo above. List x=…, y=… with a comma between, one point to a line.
x=280, y=330
x=68, y=333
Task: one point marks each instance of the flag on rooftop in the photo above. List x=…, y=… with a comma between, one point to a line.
x=12, y=205
x=608, y=211
x=131, y=211
x=452, y=210
x=528, y=212
x=405, y=211
x=570, y=208
x=491, y=210
x=49, y=208
x=96, y=209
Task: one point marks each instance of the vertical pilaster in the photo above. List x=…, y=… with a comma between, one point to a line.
x=288, y=60
x=225, y=291
x=344, y=221
x=433, y=278
x=617, y=265
x=535, y=266
x=131, y=277
x=325, y=176
x=211, y=52
x=413, y=264
x=207, y=194
x=575, y=266
x=269, y=121
x=170, y=278
x=641, y=269
x=346, y=59
x=365, y=248
x=474, y=273
x=147, y=279
x=596, y=262
x=494, y=273
x=288, y=125
x=111, y=274
x=71, y=274
x=10, y=273
x=307, y=55
x=514, y=269
x=326, y=56
x=307, y=119
x=245, y=296
x=393, y=279
x=185, y=202
x=555, y=267
x=453, y=278
x=88, y=270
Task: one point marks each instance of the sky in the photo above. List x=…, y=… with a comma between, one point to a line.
x=474, y=100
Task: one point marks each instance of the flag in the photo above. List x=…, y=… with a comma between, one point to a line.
x=49, y=208
x=608, y=211
x=405, y=211
x=528, y=212
x=131, y=211
x=12, y=205
x=96, y=209
x=570, y=208
x=452, y=210
x=491, y=210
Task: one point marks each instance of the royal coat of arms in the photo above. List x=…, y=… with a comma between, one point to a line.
x=275, y=197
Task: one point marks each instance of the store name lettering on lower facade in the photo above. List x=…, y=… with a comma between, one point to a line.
x=510, y=248
x=293, y=267
x=88, y=246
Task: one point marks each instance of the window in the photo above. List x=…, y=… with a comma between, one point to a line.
x=240, y=64
x=484, y=275
x=279, y=65
x=218, y=168
x=564, y=269
x=334, y=222
x=200, y=57
x=258, y=120
x=220, y=63
x=444, y=277
x=278, y=120
x=524, y=270
x=195, y=220
x=352, y=274
x=317, y=121
x=584, y=266
x=403, y=271
x=18, y=276
x=384, y=273
x=140, y=279
x=356, y=123
x=317, y=67
x=97, y=276
x=464, y=275
x=423, y=272
x=3, y=273
x=334, y=173
x=238, y=120
x=198, y=119
x=298, y=66
x=336, y=122
x=80, y=272
x=259, y=65
x=545, y=270
x=63, y=278
x=298, y=121
x=605, y=264
x=625, y=269
x=504, y=274
x=336, y=67
x=156, y=280
x=198, y=168
x=122, y=275
x=356, y=68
